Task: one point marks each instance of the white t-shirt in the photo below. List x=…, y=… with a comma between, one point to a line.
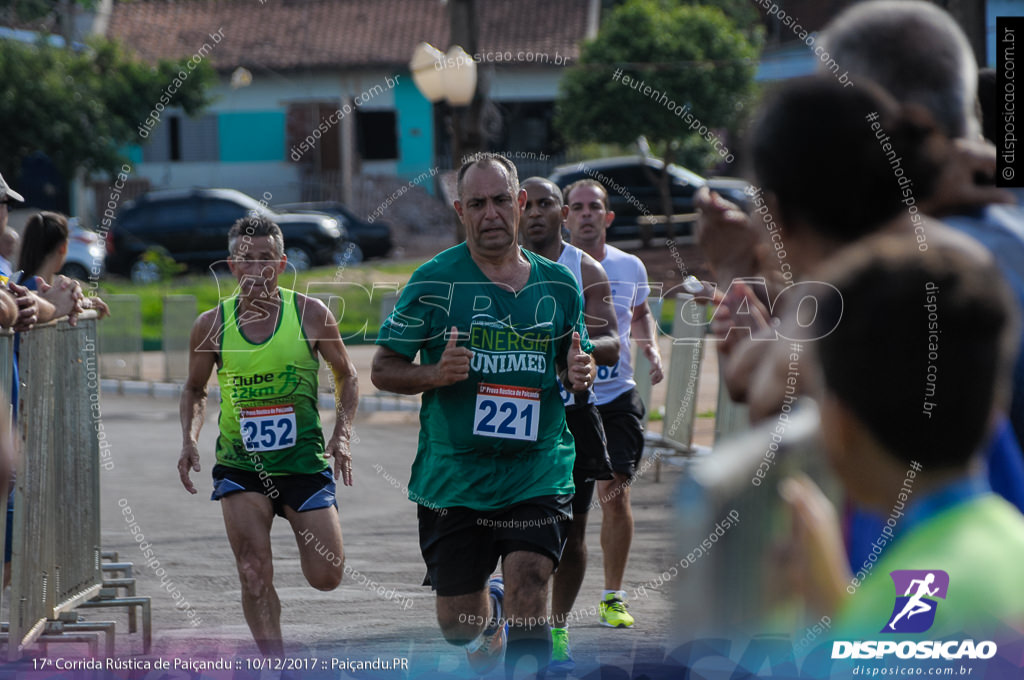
x=628, y=278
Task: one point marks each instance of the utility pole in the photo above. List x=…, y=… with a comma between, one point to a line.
x=467, y=136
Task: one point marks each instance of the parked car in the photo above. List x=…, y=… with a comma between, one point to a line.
x=87, y=253
x=372, y=238
x=633, y=191
x=191, y=226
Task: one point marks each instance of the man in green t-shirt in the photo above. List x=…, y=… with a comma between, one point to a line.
x=916, y=366
x=271, y=454
x=494, y=325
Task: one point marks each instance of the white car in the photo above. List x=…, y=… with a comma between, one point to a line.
x=87, y=253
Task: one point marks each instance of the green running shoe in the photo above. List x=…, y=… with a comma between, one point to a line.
x=561, y=658
x=613, y=612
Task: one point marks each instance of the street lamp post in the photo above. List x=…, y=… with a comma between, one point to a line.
x=451, y=77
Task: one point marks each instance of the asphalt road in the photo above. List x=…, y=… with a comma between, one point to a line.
x=197, y=610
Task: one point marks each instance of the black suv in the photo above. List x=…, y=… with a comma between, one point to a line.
x=371, y=239
x=632, y=192
x=191, y=225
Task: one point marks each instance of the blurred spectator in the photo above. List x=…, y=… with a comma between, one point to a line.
x=817, y=213
x=9, y=240
x=43, y=250
x=880, y=443
x=918, y=53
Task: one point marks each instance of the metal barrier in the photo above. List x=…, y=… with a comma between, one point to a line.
x=180, y=313
x=642, y=367
x=56, y=547
x=120, y=338
x=6, y=383
x=681, y=382
x=731, y=522
x=730, y=417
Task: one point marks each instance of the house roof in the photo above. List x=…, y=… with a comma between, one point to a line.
x=331, y=34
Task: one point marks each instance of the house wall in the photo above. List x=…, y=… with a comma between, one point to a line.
x=252, y=128
x=252, y=133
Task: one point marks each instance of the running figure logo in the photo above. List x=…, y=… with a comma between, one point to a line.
x=914, y=611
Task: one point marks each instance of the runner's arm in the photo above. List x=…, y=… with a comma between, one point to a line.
x=322, y=330
x=395, y=372
x=202, y=358
x=599, y=313
x=644, y=329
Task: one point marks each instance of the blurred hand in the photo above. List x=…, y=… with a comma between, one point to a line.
x=454, y=363
x=958, y=186
x=657, y=372
x=816, y=552
x=727, y=236
x=739, y=309
x=28, y=310
x=188, y=462
x=582, y=368
x=99, y=305
x=65, y=295
x=338, y=448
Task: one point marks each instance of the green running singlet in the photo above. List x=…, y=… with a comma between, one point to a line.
x=498, y=437
x=268, y=396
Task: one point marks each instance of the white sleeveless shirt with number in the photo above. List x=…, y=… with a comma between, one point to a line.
x=628, y=278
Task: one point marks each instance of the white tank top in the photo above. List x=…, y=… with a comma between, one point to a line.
x=628, y=278
x=571, y=257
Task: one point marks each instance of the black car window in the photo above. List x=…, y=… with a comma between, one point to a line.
x=176, y=214
x=631, y=177
x=135, y=220
x=220, y=214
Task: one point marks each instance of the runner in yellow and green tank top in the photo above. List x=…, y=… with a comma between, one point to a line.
x=268, y=396
x=265, y=343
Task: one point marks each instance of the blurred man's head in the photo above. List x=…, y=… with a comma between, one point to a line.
x=489, y=204
x=243, y=231
x=544, y=214
x=257, y=259
x=838, y=163
x=916, y=51
x=588, y=218
x=918, y=363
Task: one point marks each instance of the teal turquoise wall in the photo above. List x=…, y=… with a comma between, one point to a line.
x=251, y=136
x=415, y=131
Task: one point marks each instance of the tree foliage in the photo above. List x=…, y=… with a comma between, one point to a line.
x=80, y=108
x=693, y=55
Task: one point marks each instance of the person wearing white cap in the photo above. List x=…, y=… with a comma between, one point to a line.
x=7, y=195
x=63, y=298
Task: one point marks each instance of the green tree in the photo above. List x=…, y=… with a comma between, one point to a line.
x=81, y=108
x=686, y=64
